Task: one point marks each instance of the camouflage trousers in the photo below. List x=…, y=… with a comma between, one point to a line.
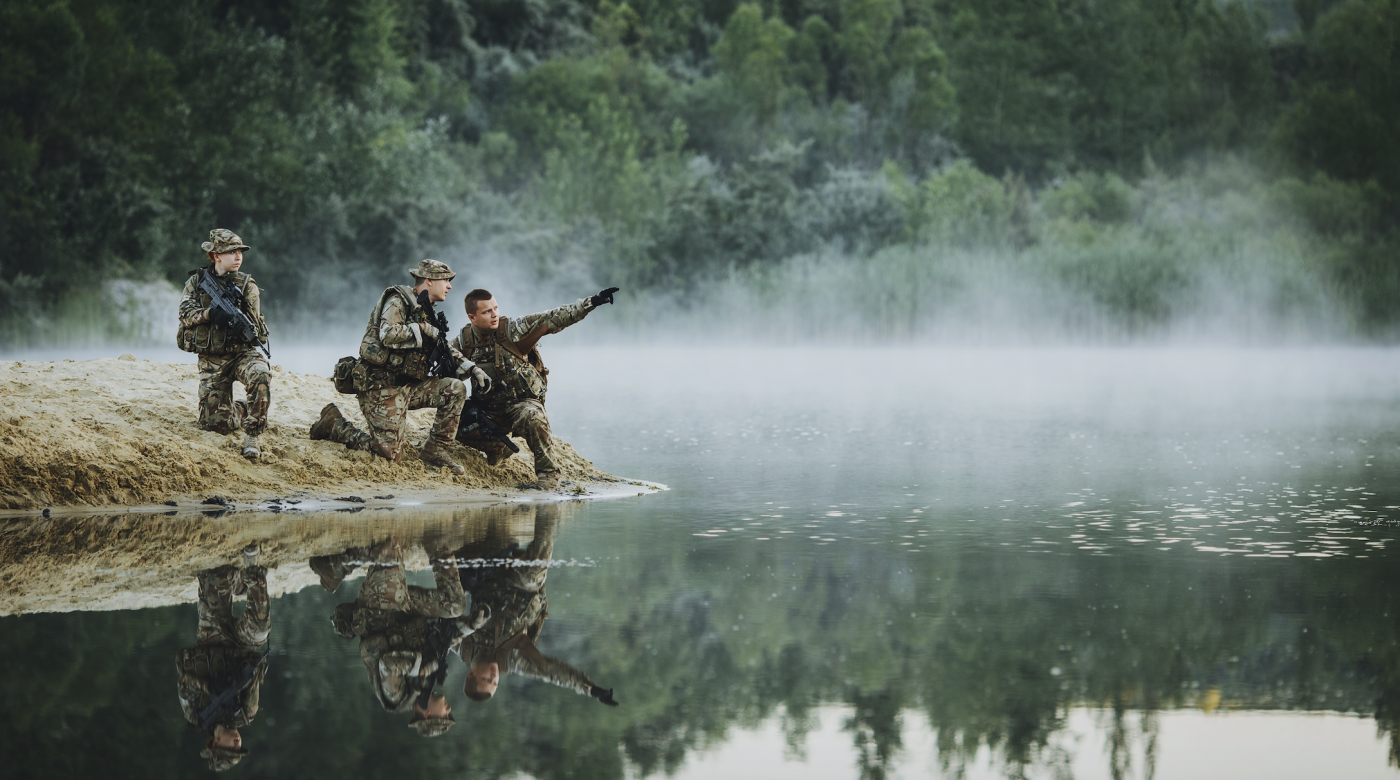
x=217, y=625
x=218, y=412
x=527, y=420
x=385, y=411
x=387, y=588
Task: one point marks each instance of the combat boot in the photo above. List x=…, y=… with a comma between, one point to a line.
x=250, y=447
x=497, y=453
x=548, y=481
x=324, y=427
x=434, y=453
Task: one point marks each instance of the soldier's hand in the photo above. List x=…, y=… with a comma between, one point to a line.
x=605, y=296
x=218, y=317
x=428, y=331
x=603, y=695
x=480, y=615
x=481, y=381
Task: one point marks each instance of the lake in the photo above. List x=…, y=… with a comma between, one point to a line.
x=871, y=562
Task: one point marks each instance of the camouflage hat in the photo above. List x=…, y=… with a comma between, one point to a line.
x=431, y=269
x=431, y=727
x=222, y=758
x=221, y=241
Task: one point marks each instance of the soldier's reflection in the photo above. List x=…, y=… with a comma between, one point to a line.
x=511, y=589
x=405, y=631
x=221, y=675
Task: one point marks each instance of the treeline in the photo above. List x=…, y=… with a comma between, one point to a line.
x=1128, y=153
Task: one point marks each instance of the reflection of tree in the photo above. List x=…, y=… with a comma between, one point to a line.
x=876, y=730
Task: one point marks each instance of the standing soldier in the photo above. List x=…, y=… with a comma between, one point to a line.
x=225, y=352
x=505, y=350
x=392, y=375
x=220, y=677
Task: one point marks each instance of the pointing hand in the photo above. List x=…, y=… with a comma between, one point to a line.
x=605, y=296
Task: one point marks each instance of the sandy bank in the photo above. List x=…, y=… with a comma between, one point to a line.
x=140, y=560
x=122, y=432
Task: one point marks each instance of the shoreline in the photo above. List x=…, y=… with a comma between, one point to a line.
x=119, y=434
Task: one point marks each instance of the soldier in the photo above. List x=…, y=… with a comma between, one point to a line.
x=392, y=376
x=505, y=350
x=511, y=606
x=224, y=355
x=405, y=631
x=226, y=649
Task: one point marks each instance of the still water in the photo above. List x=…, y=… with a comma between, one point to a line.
x=871, y=563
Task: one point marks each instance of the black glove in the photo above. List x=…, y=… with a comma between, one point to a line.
x=603, y=695
x=218, y=317
x=605, y=296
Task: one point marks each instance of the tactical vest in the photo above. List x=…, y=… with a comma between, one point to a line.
x=402, y=365
x=514, y=376
x=207, y=338
x=217, y=664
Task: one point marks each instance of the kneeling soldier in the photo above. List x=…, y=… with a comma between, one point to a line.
x=504, y=349
x=392, y=377
x=222, y=341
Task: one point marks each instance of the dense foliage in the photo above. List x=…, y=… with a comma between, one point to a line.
x=1087, y=147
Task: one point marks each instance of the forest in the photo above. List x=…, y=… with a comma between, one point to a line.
x=928, y=169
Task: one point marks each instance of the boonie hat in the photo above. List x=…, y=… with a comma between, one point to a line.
x=221, y=241
x=431, y=727
x=431, y=269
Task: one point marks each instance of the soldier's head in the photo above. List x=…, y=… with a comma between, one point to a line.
x=224, y=749
x=433, y=720
x=482, y=309
x=433, y=276
x=225, y=250
x=482, y=679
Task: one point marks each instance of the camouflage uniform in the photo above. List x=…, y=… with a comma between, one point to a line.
x=519, y=379
x=224, y=645
x=516, y=596
x=223, y=356
x=392, y=379
x=396, y=623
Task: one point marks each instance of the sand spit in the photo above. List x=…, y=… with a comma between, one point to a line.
x=134, y=561
x=122, y=432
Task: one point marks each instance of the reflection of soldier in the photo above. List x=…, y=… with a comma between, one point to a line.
x=505, y=350
x=405, y=631
x=223, y=355
x=513, y=596
x=226, y=649
x=392, y=376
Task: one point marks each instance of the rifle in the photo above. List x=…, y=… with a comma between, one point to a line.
x=474, y=419
x=441, y=361
x=230, y=301
x=225, y=705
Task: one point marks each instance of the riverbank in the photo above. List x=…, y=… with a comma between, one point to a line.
x=121, y=432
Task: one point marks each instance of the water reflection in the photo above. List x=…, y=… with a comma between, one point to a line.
x=221, y=676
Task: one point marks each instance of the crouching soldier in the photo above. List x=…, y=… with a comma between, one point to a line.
x=392, y=375
x=220, y=677
x=505, y=350
x=226, y=342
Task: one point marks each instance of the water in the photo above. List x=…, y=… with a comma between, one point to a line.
x=872, y=562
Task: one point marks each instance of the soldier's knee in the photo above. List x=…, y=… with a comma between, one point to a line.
x=455, y=393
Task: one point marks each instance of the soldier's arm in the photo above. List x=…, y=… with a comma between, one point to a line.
x=191, y=313
x=395, y=331
x=527, y=660
x=191, y=691
x=557, y=319
x=253, y=297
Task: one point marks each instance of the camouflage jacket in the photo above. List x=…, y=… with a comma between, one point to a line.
x=393, y=344
x=203, y=667
x=517, y=374
x=197, y=334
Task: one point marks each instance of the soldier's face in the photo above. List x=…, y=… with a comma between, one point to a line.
x=485, y=677
x=437, y=707
x=488, y=315
x=437, y=289
x=226, y=738
x=228, y=261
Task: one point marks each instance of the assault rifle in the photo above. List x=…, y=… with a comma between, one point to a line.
x=225, y=706
x=441, y=361
x=474, y=419
x=230, y=301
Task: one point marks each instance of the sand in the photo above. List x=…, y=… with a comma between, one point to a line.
x=121, y=432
